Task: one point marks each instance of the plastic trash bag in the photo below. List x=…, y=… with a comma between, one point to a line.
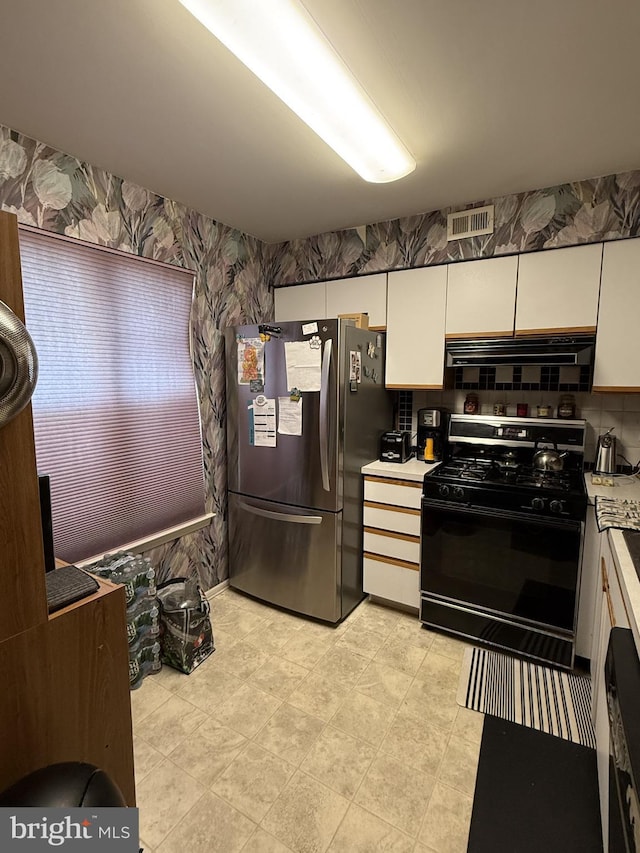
x=186, y=636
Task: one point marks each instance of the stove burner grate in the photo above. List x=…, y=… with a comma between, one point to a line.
x=506, y=473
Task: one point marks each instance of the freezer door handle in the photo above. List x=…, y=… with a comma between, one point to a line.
x=281, y=516
x=324, y=415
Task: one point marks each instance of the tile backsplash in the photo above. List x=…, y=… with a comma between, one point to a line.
x=528, y=378
x=601, y=412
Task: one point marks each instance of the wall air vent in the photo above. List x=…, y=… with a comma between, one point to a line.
x=470, y=223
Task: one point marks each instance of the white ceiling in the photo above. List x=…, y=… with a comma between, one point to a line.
x=491, y=97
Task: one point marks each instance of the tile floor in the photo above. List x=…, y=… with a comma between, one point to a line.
x=295, y=736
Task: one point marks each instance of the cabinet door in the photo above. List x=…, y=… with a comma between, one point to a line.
x=612, y=613
x=364, y=294
x=601, y=718
x=481, y=297
x=416, y=300
x=393, y=580
x=590, y=589
x=301, y=302
x=558, y=290
x=396, y=492
x=610, y=599
x=618, y=343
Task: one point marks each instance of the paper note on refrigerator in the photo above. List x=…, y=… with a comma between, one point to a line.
x=289, y=416
x=264, y=421
x=303, y=365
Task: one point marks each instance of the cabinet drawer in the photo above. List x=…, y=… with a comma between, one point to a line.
x=392, y=545
x=399, y=519
x=389, y=491
x=391, y=581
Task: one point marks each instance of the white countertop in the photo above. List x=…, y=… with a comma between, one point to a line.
x=414, y=469
x=623, y=487
x=629, y=580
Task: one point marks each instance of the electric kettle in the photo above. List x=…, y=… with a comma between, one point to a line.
x=606, y=454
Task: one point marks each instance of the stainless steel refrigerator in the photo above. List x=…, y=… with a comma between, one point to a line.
x=294, y=456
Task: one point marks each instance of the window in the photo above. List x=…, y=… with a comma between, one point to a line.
x=115, y=410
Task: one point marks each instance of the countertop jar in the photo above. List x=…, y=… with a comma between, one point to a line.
x=471, y=404
x=567, y=406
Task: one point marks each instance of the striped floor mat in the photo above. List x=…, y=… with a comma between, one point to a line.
x=535, y=696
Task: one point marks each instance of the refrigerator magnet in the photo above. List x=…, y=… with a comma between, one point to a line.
x=250, y=360
x=309, y=328
x=355, y=366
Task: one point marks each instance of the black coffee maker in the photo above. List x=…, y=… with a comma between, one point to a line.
x=432, y=434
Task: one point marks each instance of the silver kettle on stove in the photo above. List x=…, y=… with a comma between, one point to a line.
x=606, y=454
x=547, y=459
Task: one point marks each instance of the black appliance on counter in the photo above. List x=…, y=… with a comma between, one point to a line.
x=501, y=540
x=395, y=446
x=432, y=426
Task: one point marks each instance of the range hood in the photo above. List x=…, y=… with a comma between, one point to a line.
x=492, y=352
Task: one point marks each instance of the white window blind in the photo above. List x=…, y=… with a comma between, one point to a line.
x=116, y=419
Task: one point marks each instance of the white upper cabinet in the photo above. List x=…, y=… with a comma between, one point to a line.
x=481, y=297
x=301, y=302
x=366, y=294
x=558, y=290
x=416, y=301
x=617, y=358
x=363, y=294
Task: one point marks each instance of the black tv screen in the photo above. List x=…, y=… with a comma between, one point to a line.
x=47, y=522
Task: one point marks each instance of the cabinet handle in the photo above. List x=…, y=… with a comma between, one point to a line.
x=323, y=421
x=605, y=589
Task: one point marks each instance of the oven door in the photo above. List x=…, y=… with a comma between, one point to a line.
x=516, y=566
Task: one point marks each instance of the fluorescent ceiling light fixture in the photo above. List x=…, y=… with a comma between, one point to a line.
x=280, y=43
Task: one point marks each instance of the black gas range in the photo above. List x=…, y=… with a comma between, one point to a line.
x=507, y=482
x=501, y=539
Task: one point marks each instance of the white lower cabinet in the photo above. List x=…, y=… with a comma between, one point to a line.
x=391, y=541
x=610, y=612
x=590, y=588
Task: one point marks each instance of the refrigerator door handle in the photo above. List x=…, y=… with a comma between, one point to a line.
x=324, y=415
x=281, y=516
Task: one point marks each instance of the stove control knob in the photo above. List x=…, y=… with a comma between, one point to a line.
x=443, y=491
x=537, y=503
x=458, y=492
x=556, y=506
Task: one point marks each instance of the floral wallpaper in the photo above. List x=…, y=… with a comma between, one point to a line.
x=588, y=211
x=54, y=191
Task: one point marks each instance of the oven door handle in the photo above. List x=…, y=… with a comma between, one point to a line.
x=476, y=512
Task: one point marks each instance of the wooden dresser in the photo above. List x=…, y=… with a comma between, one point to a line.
x=65, y=677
